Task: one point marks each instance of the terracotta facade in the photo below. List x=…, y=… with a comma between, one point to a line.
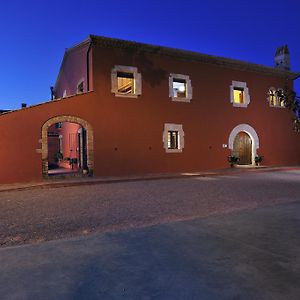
x=125, y=134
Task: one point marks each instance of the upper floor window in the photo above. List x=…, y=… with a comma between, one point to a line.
x=239, y=94
x=80, y=87
x=180, y=88
x=126, y=81
x=274, y=97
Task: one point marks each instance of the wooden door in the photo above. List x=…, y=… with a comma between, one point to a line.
x=242, y=148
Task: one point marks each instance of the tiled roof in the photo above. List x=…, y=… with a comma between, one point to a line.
x=190, y=55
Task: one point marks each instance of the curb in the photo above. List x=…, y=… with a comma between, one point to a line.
x=51, y=185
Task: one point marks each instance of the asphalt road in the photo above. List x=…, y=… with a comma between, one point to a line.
x=249, y=254
x=39, y=215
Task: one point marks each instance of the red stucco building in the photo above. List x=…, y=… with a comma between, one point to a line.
x=124, y=108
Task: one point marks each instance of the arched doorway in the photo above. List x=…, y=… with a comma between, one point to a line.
x=243, y=141
x=242, y=148
x=67, y=146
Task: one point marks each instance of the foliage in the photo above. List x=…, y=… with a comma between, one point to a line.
x=58, y=156
x=258, y=159
x=292, y=102
x=233, y=159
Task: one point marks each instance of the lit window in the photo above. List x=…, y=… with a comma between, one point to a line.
x=275, y=97
x=126, y=82
x=239, y=94
x=173, y=138
x=180, y=88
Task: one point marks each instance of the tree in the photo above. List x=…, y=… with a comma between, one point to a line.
x=292, y=102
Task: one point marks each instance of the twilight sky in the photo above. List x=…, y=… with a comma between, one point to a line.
x=34, y=34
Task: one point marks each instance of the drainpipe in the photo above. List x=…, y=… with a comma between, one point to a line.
x=88, y=66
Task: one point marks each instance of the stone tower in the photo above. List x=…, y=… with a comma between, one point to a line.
x=282, y=58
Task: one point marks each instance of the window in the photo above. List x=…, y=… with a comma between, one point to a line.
x=61, y=144
x=275, y=97
x=180, y=88
x=80, y=87
x=173, y=138
x=126, y=82
x=239, y=94
x=65, y=94
x=58, y=125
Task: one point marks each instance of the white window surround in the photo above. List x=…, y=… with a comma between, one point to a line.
x=136, y=77
x=275, y=90
x=189, y=89
x=251, y=132
x=239, y=85
x=173, y=127
x=65, y=94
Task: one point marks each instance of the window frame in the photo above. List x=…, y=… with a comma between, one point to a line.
x=276, y=97
x=137, y=81
x=81, y=81
x=239, y=85
x=188, y=86
x=170, y=127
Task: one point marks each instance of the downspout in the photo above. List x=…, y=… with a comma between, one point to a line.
x=88, y=66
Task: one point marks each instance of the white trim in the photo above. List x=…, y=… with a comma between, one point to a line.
x=242, y=85
x=189, y=88
x=253, y=135
x=173, y=127
x=137, y=78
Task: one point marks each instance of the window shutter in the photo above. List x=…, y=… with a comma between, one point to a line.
x=190, y=90
x=138, y=84
x=114, y=83
x=171, y=92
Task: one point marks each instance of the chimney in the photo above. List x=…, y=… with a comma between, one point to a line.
x=282, y=58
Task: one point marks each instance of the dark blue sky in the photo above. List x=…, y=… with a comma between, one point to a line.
x=34, y=34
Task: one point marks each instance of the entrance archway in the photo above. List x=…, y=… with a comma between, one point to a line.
x=243, y=140
x=87, y=156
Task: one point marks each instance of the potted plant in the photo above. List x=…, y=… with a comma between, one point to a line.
x=233, y=160
x=258, y=159
x=58, y=156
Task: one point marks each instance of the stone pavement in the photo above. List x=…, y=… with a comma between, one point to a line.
x=250, y=254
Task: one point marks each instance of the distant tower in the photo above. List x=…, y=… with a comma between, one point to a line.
x=282, y=58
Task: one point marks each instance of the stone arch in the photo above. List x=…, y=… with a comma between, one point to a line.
x=251, y=132
x=89, y=140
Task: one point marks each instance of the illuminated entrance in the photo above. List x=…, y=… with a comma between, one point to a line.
x=242, y=148
x=67, y=146
x=243, y=142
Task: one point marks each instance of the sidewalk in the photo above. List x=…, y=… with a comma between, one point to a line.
x=76, y=181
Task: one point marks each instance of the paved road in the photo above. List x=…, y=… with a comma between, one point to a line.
x=250, y=254
x=46, y=214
